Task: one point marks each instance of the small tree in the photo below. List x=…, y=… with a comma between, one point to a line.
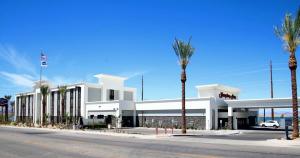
x=8, y=97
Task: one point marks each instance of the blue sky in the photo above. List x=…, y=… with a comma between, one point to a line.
x=234, y=41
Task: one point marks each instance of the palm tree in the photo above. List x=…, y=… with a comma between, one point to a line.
x=44, y=92
x=289, y=33
x=12, y=104
x=7, y=97
x=184, y=52
x=62, y=90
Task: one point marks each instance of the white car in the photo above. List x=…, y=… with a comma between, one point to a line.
x=270, y=123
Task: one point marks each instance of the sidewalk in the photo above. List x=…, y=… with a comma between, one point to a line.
x=140, y=132
x=169, y=131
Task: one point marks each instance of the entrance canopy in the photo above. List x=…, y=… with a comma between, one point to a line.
x=261, y=103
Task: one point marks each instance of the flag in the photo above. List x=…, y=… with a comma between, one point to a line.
x=43, y=60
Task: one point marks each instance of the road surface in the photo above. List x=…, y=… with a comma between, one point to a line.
x=30, y=143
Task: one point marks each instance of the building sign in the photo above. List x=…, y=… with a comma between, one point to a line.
x=227, y=96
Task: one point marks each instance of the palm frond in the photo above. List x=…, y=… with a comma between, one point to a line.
x=289, y=32
x=44, y=90
x=62, y=90
x=8, y=97
x=183, y=51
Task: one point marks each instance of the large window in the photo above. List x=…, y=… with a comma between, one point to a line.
x=29, y=101
x=79, y=101
x=52, y=105
x=71, y=102
x=128, y=95
x=94, y=94
x=58, y=105
x=112, y=94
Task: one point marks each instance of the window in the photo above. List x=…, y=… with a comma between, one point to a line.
x=94, y=94
x=100, y=116
x=79, y=101
x=128, y=95
x=111, y=94
x=91, y=116
x=222, y=110
x=71, y=101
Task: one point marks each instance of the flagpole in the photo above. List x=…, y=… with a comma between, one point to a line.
x=41, y=70
x=41, y=76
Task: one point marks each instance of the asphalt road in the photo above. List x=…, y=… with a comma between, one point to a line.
x=29, y=143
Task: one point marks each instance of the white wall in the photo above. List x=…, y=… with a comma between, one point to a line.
x=172, y=104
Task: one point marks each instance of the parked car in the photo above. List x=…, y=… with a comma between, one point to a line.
x=270, y=123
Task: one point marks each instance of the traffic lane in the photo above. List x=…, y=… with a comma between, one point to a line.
x=96, y=146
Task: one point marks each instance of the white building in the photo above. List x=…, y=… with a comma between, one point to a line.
x=109, y=96
x=216, y=106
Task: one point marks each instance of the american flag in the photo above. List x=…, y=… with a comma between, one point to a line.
x=43, y=60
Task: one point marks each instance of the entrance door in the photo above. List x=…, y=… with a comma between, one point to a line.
x=252, y=120
x=108, y=119
x=242, y=123
x=222, y=123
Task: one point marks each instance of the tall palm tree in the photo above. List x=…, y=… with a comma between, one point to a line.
x=44, y=92
x=289, y=33
x=62, y=90
x=12, y=104
x=184, y=52
x=8, y=97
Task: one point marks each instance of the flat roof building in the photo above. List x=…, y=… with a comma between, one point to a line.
x=215, y=107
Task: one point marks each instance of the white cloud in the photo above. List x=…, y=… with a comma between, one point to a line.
x=17, y=60
x=23, y=80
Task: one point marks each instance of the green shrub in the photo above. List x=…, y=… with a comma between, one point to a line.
x=13, y=123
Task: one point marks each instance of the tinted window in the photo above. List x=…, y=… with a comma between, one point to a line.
x=100, y=116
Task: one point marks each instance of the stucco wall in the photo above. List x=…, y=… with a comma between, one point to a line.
x=193, y=122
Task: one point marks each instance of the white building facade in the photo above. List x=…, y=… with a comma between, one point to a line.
x=215, y=107
x=108, y=98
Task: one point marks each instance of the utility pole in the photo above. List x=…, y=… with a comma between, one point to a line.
x=271, y=77
x=142, y=87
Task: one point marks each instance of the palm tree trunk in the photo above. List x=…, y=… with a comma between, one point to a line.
x=183, y=80
x=62, y=109
x=44, y=110
x=6, y=113
x=293, y=67
x=2, y=114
